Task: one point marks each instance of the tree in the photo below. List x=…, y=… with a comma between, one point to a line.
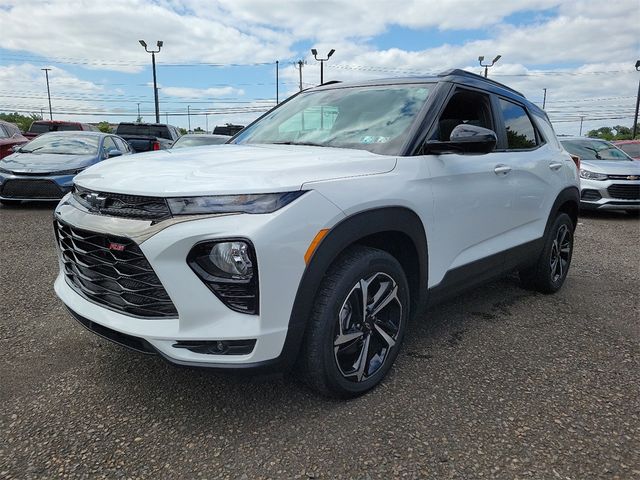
x=183, y=131
x=198, y=129
x=22, y=121
x=104, y=127
x=619, y=132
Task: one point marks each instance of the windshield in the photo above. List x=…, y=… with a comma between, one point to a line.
x=195, y=141
x=368, y=118
x=63, y=144
x=594, y=150
x=632, y=149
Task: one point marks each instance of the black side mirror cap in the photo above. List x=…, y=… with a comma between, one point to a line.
x=465, y=138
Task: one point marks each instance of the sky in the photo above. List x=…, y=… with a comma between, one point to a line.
x=218, y=61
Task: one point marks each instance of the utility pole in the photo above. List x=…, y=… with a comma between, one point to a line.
x=159, y=44
x=581, y=119
x=544, y=99
x=206, y=118
x=635, y=118
x=189, y=116
x=486, y=66
x=138, y=112
x=46, y=73
x=314, y=52
x=41, y=114
x=277, y=84
x=300, y=64
x=166, y=118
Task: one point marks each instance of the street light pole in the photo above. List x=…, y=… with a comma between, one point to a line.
x=189, y=115
x=300, y=64
x=486, y=66
x=544, y=99
x=314, y=52
x=581, y=119
x=153, y=63
x=277, y=83
x=138, y=112
x=46, y=73
x=635, y=118
x=206, y=118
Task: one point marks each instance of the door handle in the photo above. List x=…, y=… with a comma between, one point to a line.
x=502, y=169
x=555, y=166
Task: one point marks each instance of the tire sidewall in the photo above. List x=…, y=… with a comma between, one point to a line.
x=562, y=219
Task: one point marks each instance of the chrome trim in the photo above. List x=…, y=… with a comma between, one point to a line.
x=72, y=212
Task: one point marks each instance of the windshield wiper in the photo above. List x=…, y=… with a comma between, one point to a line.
x=30, y=151
x=310, y=144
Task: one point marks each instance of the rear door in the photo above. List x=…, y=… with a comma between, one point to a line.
x=537, y=174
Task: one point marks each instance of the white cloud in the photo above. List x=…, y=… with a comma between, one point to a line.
x=186, y=92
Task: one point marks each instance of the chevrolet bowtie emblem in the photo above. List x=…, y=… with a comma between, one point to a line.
x=96, y=201
x=633, y=177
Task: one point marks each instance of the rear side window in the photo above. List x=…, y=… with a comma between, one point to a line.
x=521, y=134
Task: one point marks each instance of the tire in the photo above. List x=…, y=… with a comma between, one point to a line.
x=550, y=271
x=9, y=203
x=330, y=359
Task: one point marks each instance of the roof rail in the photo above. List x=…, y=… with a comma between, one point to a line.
x=464, y=73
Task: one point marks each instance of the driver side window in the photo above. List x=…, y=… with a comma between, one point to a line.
x=464, y=107
x=107, y=145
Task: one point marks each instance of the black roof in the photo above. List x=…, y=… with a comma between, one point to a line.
x=456, y=75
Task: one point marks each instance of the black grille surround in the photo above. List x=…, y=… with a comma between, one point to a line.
x=28, y=189
x=122, y=205
x=624, y=192
x=590, y=195
x=112, y=272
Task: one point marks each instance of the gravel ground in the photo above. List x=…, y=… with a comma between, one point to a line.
x=499, y=383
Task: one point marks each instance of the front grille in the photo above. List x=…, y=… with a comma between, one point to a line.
x=31, y=189
x=122, y=205
x=591, y=195
x=626, y=192
x=113, y=272
x=624, y=177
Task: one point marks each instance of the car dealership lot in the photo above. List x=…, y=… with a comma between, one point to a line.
x=500, y=383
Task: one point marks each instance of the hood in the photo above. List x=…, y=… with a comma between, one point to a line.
x=230, y=169
x=45, y=162
x=612, y=167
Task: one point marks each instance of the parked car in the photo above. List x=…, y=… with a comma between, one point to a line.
x=630, y=147
x=45, y=126
x=197, y=140
x=10, y=136
x=227, y=129
x=44, y=168
x=609, y=178
x=145, y=137
x=328, y=223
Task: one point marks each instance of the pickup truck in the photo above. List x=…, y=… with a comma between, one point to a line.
x=145, y=137
x=45, y=126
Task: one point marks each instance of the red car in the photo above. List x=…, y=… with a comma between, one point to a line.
x=630, y=147
x=43, y=126
x=10, y=136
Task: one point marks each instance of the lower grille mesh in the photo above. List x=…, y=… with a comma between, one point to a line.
x=627, y=192
x=31, y=189
x=113, y=272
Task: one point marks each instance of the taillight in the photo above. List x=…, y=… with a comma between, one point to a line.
x=156, y=145
x=576, y=160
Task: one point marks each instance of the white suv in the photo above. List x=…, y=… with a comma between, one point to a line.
x=317, y=233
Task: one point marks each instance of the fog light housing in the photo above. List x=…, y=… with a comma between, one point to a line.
x=229, y=269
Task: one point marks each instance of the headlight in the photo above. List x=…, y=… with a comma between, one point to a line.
x=73, y=171
x=252, y=203
x=8, y=172
x=592, y=175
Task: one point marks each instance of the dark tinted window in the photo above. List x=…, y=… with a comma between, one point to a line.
x=144, y=130
x=520, y=131
x=121, y=144
x=464, y=108
x=3, y=133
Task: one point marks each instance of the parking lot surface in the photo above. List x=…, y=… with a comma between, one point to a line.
x=498, y=383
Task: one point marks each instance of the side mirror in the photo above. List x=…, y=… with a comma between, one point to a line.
x=16, y=148
x=465, y=139
x=113, y=153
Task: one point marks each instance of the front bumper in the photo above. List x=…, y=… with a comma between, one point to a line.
x=280, y=240
x=609, y=194
x=34, y=188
